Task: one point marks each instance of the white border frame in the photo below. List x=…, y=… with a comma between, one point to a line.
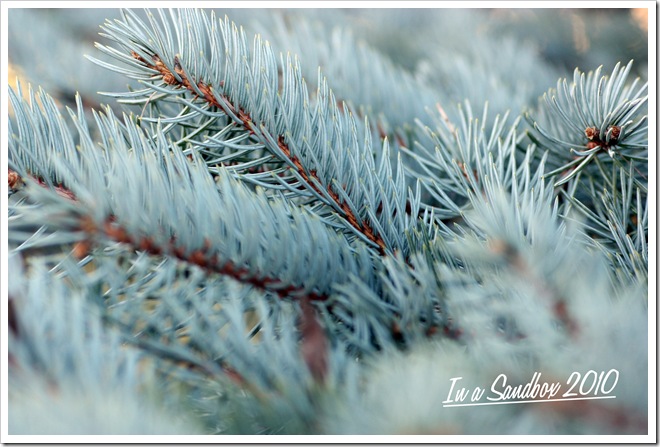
x=379, y=439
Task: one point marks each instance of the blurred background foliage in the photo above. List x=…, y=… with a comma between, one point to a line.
x=51, y=54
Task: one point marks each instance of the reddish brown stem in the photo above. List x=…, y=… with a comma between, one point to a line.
x=314, y=346
x=203, y=258
x=16, y=182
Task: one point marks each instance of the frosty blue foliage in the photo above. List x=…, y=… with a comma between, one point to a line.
x=61, y=343
x=599, y=118
x=507, y=290
x=456, y=161
x=596, y=131
x=322, y=145
x=172, y=194
x=311, y=224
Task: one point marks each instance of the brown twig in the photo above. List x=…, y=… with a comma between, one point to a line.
x=203, y=258
x=15, y=181
x=314, y=347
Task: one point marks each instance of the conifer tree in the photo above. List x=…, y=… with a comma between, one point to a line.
x=290, y=222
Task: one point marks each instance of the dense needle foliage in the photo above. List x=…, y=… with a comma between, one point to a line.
x=295, y=222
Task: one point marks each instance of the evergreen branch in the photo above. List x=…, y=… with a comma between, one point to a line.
x=204, y=258
x=595, y=117
x=246, y=246
x=110, y=230
x=136, y=167
x=52, y=387
x=413, y=297
x=319, y=143
x=311, y=331
x=183, y=357
x=455, y=163
x=310, y=178
x=617, y=222
x=510, y=228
